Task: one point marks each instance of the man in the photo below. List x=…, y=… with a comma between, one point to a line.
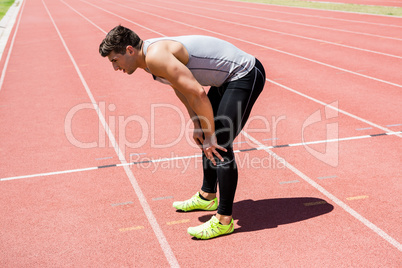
x=187, y=63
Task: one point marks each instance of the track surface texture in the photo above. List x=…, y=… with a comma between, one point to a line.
x=92, y=159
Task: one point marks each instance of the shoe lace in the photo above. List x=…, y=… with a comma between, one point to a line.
x=189, y=202
x=209, y=225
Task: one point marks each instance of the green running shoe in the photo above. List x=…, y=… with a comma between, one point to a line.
x=211, y=229
x=196, y=203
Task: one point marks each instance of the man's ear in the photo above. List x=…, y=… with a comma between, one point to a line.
x=130, y=50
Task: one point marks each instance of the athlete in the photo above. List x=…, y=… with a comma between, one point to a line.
x=187, y=64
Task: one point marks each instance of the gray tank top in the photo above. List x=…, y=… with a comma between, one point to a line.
x=212, y=61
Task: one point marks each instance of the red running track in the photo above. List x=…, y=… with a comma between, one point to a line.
x=333, y=83
x=392, y=3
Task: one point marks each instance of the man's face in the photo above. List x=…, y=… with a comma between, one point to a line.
x=125, y=62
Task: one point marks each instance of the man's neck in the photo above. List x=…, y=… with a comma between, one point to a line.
x=141, y=58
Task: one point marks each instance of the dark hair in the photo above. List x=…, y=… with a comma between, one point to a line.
x=118, y=39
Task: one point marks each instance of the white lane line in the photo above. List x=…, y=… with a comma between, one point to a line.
x=332, y=107
x=289, y=182
x=104, y=158
x=3, y=73
x=166, y=159
x=287, y=88
x=278, y=32
x=7, y=23
x=255, y=44
x=114, y=14
x=327, y=177
x=321, y=141
x=316, y=16
x=337, y=201
x=295, y=23
x=334, y=199
x=99, y=28
x=147, y=209
x=48, y=174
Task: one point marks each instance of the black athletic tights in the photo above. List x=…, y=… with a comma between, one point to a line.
x=231, y=103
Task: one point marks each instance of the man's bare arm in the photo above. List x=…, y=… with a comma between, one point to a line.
x=161, y=62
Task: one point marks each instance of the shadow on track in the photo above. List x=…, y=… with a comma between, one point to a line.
x=253, y=215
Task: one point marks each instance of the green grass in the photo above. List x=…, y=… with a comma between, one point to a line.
x=4, y=5
x=379, y=10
